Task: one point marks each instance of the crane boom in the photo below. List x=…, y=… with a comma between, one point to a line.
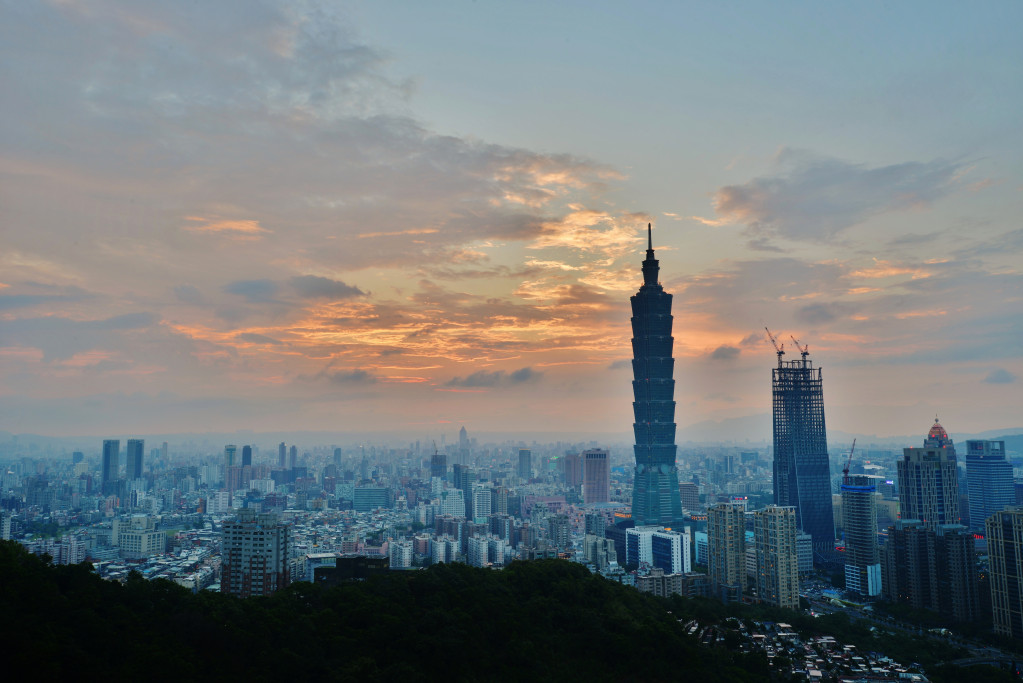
x=778, y=348
x=848, y=464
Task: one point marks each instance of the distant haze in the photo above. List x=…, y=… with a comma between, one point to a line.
x=401, y=217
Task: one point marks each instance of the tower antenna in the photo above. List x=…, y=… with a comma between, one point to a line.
x=778, y=348
x=649, y=237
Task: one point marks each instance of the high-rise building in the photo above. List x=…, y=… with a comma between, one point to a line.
x=135, y=449
x=255, y=553
x=989, y=480
x=596, y=476
x=111, y=468
x=282, y=455
x=464, y=479
x=638, y=545
x=932, y=569
x=777, y=558
x=525, y=469
x=246, y=456
x=1005, y=553
x=293, y=458
x=400, y=554
x=571, y=467
x=802, y=474
x=463, y=446
x=439, y=465
x=655, y=497
x=669, y=550
x=230, y=456
x=482, y=497
x=595, y=524
x=726, y=550
x=690, y=494
x=859, y=522
x=929, y=482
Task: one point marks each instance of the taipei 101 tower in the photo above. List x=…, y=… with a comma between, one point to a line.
x=655, y=495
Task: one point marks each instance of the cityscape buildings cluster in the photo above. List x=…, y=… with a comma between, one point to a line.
x=739, y=523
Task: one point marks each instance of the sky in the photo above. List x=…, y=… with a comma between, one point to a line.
x=407, y=216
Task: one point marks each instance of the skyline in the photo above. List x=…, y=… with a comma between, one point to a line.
x=294, y=216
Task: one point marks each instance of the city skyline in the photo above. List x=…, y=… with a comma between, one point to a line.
x=354, y=217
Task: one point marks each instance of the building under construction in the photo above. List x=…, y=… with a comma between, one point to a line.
x=802, y=473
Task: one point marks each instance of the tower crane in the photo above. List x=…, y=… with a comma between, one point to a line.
x=778, y=348
x=804, y=351
x=848, y=464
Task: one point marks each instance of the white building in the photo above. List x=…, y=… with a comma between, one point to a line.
x=478, y=551
x=400, y=553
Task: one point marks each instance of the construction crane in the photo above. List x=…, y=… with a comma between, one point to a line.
x=848, y=464
x=778, y=348
x=804, y=351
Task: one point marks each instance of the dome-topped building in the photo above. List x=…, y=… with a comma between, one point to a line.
x=937, y=437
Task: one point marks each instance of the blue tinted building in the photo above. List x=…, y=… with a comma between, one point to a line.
x=988, y=480
x=655, y=497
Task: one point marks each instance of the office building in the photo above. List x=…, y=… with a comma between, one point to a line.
x=369, y=498
x=255, y=554
x=655, y=497
x=1004, y=531
x=596, y=476
x=669, y=551
x=282, y=455
x=802, y=474
x=293, y=458
x=571, y=468
x=638, y=541
x=246, y=456
x=111, y=466
x=726, y=550
x=135, y=449
x=525, y=469
x=230, y=456
x=929, y=482
x=138, y=538
x=989, y=481
x=777, y=558
x=690, y=494
x=859, y=523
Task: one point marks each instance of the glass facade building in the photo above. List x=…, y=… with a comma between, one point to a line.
x=988, y=481
x=655, y=497
x=802, y=474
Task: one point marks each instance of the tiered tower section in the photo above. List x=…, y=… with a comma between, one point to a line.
x=655, y=498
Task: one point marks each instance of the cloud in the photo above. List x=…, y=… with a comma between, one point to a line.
x=128, y=321
x=255, y=291
x=1000, y=376
x=816, y=314
x=725, y=352
x=620, y=364
x=815, y=198
x=483, y=378
x=254, y=338
x=316, y=287
x=188, y=294
x=357, y=376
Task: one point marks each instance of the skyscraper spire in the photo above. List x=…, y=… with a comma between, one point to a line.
x=651, y=266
